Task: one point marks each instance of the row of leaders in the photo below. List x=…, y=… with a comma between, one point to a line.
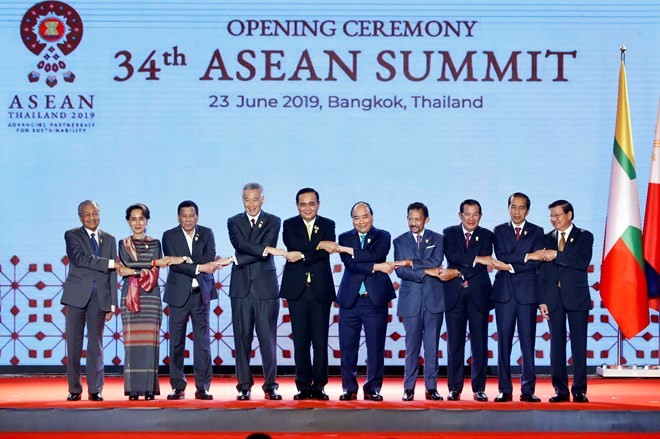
x=444, y=278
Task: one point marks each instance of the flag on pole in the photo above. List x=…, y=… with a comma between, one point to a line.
x=652, y=223
x=622, y=281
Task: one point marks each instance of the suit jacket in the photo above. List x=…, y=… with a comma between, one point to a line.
x=179, y=277
x=569, y=269
x=253, y=269
x=416, y=287
x=316, y=262
x=359, y=268
x=521, y=285
x=462, y=259
x=85, y=268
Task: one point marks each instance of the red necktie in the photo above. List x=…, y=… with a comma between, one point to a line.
x=517, y=233
x=467, y=239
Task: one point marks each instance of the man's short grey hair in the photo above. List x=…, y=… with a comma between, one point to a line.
x=252, y=186
x=82, y=205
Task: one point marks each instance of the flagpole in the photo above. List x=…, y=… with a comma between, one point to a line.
x=625, y=297
x=619, y=334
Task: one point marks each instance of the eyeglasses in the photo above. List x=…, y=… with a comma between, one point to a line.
x=470, y=215
x=559, y=215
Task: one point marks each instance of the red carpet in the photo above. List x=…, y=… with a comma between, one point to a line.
x=50, y=392
x=36, y=406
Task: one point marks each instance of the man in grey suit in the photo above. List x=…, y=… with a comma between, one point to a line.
x=90, y=295
x=418, y=254
x=189, y=290
x=253, y=290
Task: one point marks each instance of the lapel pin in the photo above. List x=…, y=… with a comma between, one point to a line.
x=571, y=240
x=525, y=233
x=368, y=240
x=476, y=238
x=427, y=241
x=196, y=237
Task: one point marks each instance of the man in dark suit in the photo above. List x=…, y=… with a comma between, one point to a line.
x=253, y=290
x=189, y=290
x=515, y=293
x=90, y=295
x=309, y=289
x=564, y=291
x=418, y=254
x=468, y=249
x=364, y=293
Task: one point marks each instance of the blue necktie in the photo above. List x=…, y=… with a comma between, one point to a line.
x=95, y=246
x=363, y=288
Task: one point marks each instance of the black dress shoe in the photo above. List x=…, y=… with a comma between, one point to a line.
x=408, y=395
x=96, y=396
x=580, y=397
x=560, y=398
x=149, y=396
x=529, y=397
x=133, y=397
x=243, y=395
x=373, y=396
x=272, y=395
x=320, y=395
x=480, y=396
x=176, y=394
x=504, y=397
x=302, y=395
x=73, y=396
x=203, y=394
x=348, y=396
x=433, y=395
x=454, y=395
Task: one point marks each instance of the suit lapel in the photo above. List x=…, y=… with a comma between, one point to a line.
x=572, y=236
x=85, y=237
x=99, y=237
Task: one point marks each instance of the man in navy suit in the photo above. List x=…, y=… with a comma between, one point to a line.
x=468, y=249
x=515, y=293
x=364, y=293
x=418, y=254
x=309, y=289
x=253, y=290
x=90, y=296
x=565, y=294
x=189, y=290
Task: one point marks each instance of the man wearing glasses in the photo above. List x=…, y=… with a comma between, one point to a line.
x=564, y=291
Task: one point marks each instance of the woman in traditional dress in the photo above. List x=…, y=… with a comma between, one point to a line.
x=141, y=308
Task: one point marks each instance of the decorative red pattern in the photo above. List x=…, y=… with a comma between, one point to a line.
x=37, y=337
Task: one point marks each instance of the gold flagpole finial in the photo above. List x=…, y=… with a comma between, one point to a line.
x=623, y=53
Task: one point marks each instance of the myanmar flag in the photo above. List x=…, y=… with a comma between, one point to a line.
x=652, y=223
x=622, y=280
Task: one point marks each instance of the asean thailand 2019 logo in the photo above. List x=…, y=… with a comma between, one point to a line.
x=51, y=30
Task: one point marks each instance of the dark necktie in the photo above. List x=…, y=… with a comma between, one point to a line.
x=562, y=241
x=95, y=246
x=467, y=239
x=517, y=233
x=253, y=222
x=419, y=241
